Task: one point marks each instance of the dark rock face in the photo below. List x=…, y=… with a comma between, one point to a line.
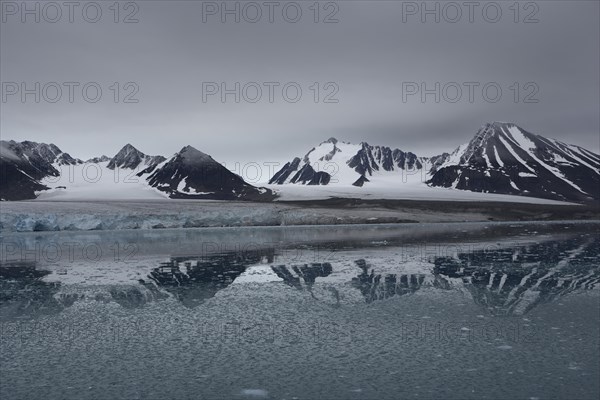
x=375, y=158
x=66, y=159
x=24, y=164
x=193, y=174
x=189, y=174
x=15, y=184
x=361, y=181
x=365, y=162
x=503, y=158
x=305, y=175
x=97, y=160
x=281, y=176
x=301, y=171
x=130, y=158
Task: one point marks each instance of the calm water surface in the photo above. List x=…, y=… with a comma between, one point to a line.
x=452, y=311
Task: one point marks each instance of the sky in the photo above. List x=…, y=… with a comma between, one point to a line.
x=355, y=70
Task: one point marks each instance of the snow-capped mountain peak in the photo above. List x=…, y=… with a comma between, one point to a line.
x=96, y=160
x=190, y=173
x=30, y=169
x=325, y=151
x=192, y=155
x=500, y=158
x=334, y=161
x=131, y=158
x=24, y=164
x=503, y=158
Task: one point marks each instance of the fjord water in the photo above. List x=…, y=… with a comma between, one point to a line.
x=424, y=311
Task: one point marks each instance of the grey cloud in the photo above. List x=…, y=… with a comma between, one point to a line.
x=368, y=54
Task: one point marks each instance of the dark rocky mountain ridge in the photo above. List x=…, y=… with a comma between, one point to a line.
x=501, y=158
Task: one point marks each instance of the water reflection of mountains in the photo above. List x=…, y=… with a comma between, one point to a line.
x=22, y=291
x=505, y=281
x=195, y=279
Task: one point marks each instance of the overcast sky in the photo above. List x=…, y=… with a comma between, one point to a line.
x=369, y=57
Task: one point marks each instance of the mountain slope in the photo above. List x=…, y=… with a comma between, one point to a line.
x=30, y=169
x=335, y=162
x=191, y=173
x=503, y=158
x=24, y=164
x=131, y=158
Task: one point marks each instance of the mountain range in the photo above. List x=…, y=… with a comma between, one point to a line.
x=501, y=158
x=30, y=168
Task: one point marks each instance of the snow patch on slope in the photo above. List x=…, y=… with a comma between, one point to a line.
x=86, y=182
x=529, y=145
